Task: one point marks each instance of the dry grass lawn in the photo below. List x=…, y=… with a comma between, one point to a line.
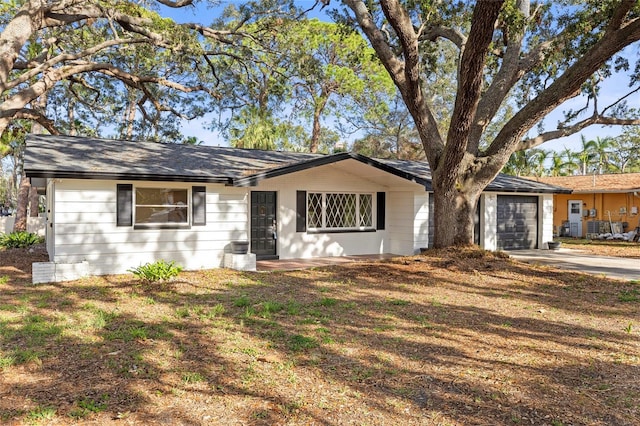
x=449, y=338
x=604, y=247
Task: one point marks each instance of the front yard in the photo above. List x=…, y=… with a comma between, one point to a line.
x=450, y=338
x=604, y=247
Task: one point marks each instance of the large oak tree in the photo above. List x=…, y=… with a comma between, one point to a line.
x=110, y=63
x=531, y=57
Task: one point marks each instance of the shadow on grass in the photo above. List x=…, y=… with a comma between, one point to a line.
x=411, y=342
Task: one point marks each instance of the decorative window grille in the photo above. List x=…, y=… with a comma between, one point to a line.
x=339, y=211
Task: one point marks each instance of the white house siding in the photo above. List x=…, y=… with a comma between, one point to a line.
x=332, y=178
x=421, y=221
x=489, y=221
x=400, y=221
x=546, y=206
x=409, y=221
x=85, y=228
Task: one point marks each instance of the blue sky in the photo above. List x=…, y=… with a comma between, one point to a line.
x=612, y=89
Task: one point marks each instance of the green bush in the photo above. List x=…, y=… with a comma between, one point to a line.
x=160, y=270
x=20, y=239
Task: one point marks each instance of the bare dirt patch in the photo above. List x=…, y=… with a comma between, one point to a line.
x=449, y=338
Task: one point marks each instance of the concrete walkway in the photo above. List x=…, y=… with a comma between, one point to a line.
x=576, y=260
x=295, y=264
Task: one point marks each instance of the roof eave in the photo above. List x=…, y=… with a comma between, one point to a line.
x=530, y=190
x=255, y=179
x=56, y=174
x=607, y=191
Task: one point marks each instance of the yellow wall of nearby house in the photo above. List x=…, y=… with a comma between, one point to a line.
x=603, y=203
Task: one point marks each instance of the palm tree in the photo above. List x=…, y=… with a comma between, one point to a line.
x=586, y=155
x=526, y=163
x=602, y=149
x=559, y=165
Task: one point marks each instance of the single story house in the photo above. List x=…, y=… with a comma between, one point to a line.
x=595, y=201
x=113, y=205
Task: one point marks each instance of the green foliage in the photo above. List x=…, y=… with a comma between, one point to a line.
x=87, y=406
x=192, y=377
x=305, y=69
x=160, y=270
x=41, y=413
x=599, y=156
x=20, y=239
x=298, y=343
x=242, y=302
x=632, y=295
x=328, y=301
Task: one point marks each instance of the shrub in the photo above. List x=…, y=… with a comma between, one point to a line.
x=160, y=270
x=20, y=239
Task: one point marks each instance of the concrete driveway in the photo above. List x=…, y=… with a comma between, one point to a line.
x=575, y=260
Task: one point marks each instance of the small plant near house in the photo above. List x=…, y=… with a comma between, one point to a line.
x=20, y=239
x=160, y=270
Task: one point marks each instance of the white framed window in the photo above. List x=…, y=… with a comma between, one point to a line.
x=339, y=211
x=147, y=207
x=161, y=206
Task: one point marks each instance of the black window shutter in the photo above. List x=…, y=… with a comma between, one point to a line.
x=301, y=211
x=199, y=205
x=380, y=210
x=124, y=205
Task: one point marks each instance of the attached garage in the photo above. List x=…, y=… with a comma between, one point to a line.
x=517, y=222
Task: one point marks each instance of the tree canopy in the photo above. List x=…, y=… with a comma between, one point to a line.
x=112, y=63
x=477, y=78
x=512, y=54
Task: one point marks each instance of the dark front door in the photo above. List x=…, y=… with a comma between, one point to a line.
x=263, y=224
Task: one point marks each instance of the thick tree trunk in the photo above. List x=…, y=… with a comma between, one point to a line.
x=454, y=213
x=34, y=202
x=21, y=209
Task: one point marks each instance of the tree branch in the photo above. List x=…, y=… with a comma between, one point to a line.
x=575, y=128
x=393, y=65
x=432, y=33
x=176, y=4
x=506, y=77
x=405, y=75
x=470, y=80
x=33, y=115
x=564, y=87
x=69, y=57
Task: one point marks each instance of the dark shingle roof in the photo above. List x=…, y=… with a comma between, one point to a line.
x=502, y=182
x=70, y=156
x=91, y=158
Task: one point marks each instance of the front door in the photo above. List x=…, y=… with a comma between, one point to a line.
x=575, y=218
x=263, y=224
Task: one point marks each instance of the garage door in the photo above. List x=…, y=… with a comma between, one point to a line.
x=517, y=222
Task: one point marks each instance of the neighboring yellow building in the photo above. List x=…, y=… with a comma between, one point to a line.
x=596, y=201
